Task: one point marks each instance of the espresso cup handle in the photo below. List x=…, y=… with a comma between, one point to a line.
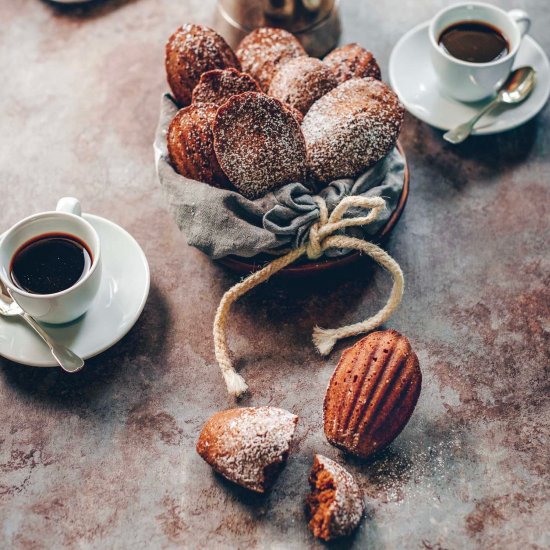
x=70, y=205
x=522, y=19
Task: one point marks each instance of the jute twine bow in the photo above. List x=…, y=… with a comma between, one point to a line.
x=321, y=238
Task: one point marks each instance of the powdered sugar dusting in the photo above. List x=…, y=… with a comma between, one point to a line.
x=263, y=49
x=191, y=51
x=301, y=81
x=218, y=86
x=259, y=144
x=253, y=439
x=352, y=61
x=348, y=506
x=351, y=128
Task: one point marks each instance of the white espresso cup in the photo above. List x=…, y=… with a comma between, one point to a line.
x=464, y=80
x=67, y=305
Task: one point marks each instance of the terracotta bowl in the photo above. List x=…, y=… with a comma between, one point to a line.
x=246, y=266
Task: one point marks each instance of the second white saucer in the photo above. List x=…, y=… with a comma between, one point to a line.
x=413, y=79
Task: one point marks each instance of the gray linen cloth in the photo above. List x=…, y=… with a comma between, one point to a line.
x=220, y=222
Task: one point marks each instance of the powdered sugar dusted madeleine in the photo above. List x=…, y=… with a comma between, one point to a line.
x=372, y=393
x=249, y=446
x=301, y=81
x=352, y=61
x=261, y=51
x=295, y=113
x=219, y=85
x=335, y=506
x=191, y=51
x=350, y=128
x=259, y=144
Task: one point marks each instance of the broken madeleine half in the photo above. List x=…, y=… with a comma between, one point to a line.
x=335, y=505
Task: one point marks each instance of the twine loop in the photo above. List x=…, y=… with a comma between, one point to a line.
x=314, y=249
x=323, y=235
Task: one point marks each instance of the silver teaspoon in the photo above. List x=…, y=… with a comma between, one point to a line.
x=67, y=359
x=517, y=87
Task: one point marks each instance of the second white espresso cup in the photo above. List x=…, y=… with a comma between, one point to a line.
x=464, y=80
x=67, y=305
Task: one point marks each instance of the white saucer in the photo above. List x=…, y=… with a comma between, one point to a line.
x=414, y=81
x=117, y=307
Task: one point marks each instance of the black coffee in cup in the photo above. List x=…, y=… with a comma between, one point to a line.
x=50, y=263
x=474, y=41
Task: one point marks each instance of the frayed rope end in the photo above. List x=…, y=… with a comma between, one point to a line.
x=324, y=340
x=236, y=386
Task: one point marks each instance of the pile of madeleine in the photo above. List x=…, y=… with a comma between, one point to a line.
x=267, y=114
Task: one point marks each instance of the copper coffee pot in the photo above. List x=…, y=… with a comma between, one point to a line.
x=316, y=23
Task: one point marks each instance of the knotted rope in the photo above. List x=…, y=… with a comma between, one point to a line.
x=321, y=238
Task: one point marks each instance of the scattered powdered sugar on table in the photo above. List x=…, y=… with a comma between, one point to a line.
x=348, y=506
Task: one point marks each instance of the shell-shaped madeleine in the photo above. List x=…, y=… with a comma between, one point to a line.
x=191, y=145
x=372, y=393
x=191, y=51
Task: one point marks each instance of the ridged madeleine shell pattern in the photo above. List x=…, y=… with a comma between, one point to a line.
x=191, y=145
x=372, y=393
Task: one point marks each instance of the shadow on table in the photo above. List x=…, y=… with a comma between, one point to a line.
x=88, y=10
x=511, y=147
x=73, y=391
x=478, y=156
x=259, y=504
x=293, y=306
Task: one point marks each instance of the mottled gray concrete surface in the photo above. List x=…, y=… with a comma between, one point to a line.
x=106, y=459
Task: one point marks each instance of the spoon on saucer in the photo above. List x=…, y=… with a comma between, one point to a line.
x=517, y=87
x=67, y=359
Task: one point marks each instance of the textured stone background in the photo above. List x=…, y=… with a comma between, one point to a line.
x=105, y=458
